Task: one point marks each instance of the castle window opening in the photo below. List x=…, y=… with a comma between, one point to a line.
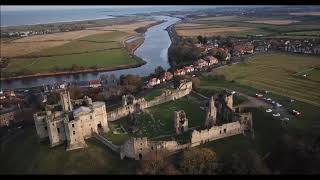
x=99, y=125
x=73, y=125
x=140, y=149
x=151, y=147
x=52, y=124
x=220, y=131
x=45, y=128
x=58, y=130
x=140, y=156
x=225, y=130
x=74, y=132
x=90, y=117
x=42, y=120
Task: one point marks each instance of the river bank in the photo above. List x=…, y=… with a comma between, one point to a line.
x=153, y=50
x=130, y=47
x=139, y=63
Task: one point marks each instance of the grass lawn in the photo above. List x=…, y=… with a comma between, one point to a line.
x=266, y=129
x=25, y=155
x=159, y=120
x=275, y=73
x=116, y=138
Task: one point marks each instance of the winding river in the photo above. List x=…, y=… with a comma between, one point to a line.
x=154, y=51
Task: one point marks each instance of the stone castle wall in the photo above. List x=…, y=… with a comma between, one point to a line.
x=141, y=103
x=215, y=132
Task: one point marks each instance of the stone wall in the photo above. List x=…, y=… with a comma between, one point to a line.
x=138, y=148
x=140, y=104
x=215, y=132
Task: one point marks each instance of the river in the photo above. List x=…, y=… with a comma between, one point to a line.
x=154, y=51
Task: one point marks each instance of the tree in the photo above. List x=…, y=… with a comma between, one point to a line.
x=158, y=71
x=199, y=161
x=104, y=77
x=204, y=40
x=245, y=162
x=200, y=39
x=53, y=98
x=157, y=163
x=195, y=83
x=75, y=92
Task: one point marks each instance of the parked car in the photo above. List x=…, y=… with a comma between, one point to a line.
x=296, y=113
x=269, y=110
x=285, y=119
x=276, y=115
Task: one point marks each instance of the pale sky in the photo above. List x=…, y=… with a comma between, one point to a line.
x=18, y=8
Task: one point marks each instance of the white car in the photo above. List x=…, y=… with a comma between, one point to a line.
x=269, y=99
x=276, y=115
x=278, y=105
x=285, y=119
x=269, y=110
x=233, y=92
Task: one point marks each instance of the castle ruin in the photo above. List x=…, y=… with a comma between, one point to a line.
x=72, y=125
x=81, y=119
x=180, y=122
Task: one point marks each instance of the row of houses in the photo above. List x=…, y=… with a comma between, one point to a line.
x=166, y=76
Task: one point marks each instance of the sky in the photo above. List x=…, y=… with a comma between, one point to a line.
x=24, y=8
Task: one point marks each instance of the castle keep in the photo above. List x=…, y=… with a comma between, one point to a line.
x=72, y=125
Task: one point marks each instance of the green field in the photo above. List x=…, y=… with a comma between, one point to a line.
x=25, y=155
x=304, y=33
x=275, y=73
x=109, y=58
x=314, y=75
x=100, y=50
x=159, y=120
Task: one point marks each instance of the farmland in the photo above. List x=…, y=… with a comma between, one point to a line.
x=275, y=73
x=204, y=30
x=275, y=22
x=90, y=49
x=241, y=26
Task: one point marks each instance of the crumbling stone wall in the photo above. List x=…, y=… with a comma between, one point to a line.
x=138, y=148
x=140, y=104
x=215, y=132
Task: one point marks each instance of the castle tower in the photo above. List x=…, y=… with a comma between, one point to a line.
x=124, y=100
x=211, y=118
x=229, y=101
x=180, y=121
x=87, y=100
x=65, y=101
